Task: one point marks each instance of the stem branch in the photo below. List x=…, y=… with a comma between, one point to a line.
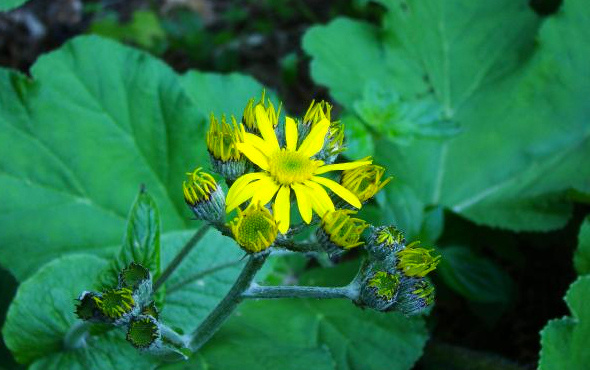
x=188, y=247
x=257, y=291
x=228, y=304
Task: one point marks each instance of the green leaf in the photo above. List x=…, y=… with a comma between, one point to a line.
x=522, y=109
x=141, y=243
x=97, y=120
x=357, y=339
x=474, y=277
x=10, y=4
x=564, y=342
x=582, y=254
x=222, y=94
x=43, y=312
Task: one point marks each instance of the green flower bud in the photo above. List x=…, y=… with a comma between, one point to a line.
x=133, y=276
x=204, y=196
x=151, y=310
x=415, y=296
x=379, y=290
x=384, y=241
x=143, y=332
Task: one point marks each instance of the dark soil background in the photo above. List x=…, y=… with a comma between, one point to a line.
x=262, y=38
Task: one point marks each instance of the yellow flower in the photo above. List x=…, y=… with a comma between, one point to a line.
x=255, y=229
x=286, y=169
x=364, y=181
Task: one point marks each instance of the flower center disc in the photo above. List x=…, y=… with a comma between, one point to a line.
x=251, y=228
x=288, y=167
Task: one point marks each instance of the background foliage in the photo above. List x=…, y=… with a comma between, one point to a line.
x=478, y=109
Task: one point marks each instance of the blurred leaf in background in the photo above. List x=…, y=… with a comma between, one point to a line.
x=520, y=109
x=582, y=254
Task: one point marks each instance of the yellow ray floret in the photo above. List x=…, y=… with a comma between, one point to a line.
x=288, y=169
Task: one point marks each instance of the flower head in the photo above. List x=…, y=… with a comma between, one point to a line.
x=254, y=229
x=415, y=296
x=222, y=139
x=204, y=196
x=249, y=119
x=287, y=169
x=364, y=181
x=340, y=230
x=115, y=303
x=415, y=261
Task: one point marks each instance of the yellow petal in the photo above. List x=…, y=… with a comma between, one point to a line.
x=340, y=190
x=258, y=143
x=291, y=133
x=282, y=208
x=247, y=192
x=267, y=189
x=266, y=129
x=314, y=141
x=303, y=202
x=341, y=166
x=239, y=185
x=254, y=155
x=320, y=201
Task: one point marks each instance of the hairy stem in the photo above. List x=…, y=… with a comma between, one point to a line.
x=76, y=336
x=228, y=304
x=256, y=291
x=171, y=336
x=188, y=247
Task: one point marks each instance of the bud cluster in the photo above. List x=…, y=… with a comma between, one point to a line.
x=395, y=278
x=128, y=305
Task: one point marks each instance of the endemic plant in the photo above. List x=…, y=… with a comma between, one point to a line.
x=287, y=192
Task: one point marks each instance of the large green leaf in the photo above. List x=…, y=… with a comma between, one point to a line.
x=10, y=4
x=582, y=254
x=97, y=120
x=564, y=342
x=522, y=109
x=356, y=339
